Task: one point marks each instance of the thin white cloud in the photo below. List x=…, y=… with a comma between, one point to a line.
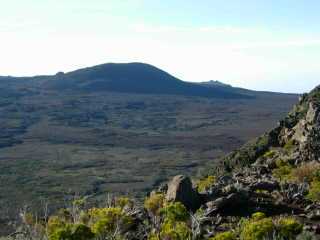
x=227, y=29
x=144, y=28
x=278, y=44
x=16, y=26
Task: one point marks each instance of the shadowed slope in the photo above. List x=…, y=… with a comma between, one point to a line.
x=134, y=78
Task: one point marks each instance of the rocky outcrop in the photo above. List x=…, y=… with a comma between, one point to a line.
x=245, y=181
x=180, y=190
x=298, y=133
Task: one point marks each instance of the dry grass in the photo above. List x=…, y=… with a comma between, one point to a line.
x=305, y=172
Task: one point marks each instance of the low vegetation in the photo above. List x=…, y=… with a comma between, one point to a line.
x=305, y=173
x=225, y=236
x=283, y=170
x=131, y=142
x=265, y=192
x=167, y=220
x=205, y=183
x=289, y=146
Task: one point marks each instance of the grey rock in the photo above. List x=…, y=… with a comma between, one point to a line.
x=314, y=215
x=180, y=190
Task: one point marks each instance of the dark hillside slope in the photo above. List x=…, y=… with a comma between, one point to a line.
x=134, y=78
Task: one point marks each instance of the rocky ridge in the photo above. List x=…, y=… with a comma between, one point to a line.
x=253, y=178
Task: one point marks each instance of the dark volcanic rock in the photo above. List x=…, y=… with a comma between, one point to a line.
x=264, y=185
x=180, y=190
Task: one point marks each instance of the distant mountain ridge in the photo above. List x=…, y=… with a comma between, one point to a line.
x=135, y=77
x=138, y=78
x=214, y=83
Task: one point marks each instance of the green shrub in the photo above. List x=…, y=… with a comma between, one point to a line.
x=80, y=202
x=289, y=227
x=123, y=202
x=314, y=191
x=82, y=232
x=175, y=231
x=106, y=220
x=154, y=203
x=289, y=145
x=55, y=223
x=282, y=173
x=61, y=233
x=281, y=163
x=316, y=175
x=175, y=212
x=71, y=232
x=262, y=191
x=257, y=229
x=224, y=236
x=206, y=183
x=153, y=236
x=269, y=154
x=258, y=216
x=283, y=170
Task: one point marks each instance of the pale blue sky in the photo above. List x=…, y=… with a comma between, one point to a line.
x=266, y=45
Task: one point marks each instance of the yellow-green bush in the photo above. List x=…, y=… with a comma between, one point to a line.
x=106, y=220
x=175, y=212
x=84, y=217
x=175, y=231
x=257, y=229
x=206, y=183
x=153, y=236
x=80, y=202
x=289, y=227
x=72, y=232
x=154, y=203
x=123, y=202
x=289, y=145
x=61, y=233
x=55, y=223
x=262, y=191
x=316, y=175
x=314, y=191
x=258, y=216
x=269, y=154
x=224, y=236
x=283, y=170
x=280, y=162
x=174, y=226
x=82, y=232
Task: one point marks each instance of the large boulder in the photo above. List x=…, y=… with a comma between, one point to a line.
x=180, y=190
x=231, y=204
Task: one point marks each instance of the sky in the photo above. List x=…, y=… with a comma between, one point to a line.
x=257, y=44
